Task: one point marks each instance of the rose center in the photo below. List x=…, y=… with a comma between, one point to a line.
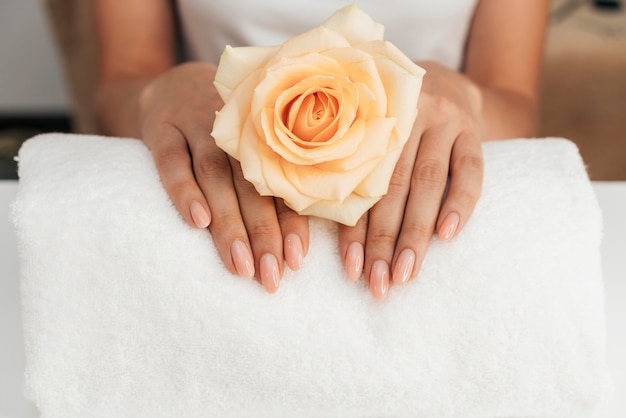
x=309, y=115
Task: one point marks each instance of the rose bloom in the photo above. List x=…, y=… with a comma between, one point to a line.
x=319, y=121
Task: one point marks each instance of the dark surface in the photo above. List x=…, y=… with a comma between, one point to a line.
x=15, y=129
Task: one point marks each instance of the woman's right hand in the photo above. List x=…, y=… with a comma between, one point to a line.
x=253, y=234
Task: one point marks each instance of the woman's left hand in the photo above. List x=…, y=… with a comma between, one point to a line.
x=389, y=243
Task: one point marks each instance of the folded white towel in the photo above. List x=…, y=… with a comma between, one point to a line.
x=128, y=312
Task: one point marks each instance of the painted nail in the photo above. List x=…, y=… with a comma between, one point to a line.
x=270, y=277
x=379, y=279
x=404, y=266
x=242, y=258
x=354, y=261
x=293, y=251
x=200, y=216
x=449, y=226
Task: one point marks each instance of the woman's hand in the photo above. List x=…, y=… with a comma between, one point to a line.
x=177, y=111
x=389, y=244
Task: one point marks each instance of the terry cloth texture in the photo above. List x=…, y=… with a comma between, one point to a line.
x=129, y=312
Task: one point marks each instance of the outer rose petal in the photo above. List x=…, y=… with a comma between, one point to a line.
x=229, y=121
x=377, y=183
x=238, y=63
x=347, y=212
x=402, y=79
x=326, y=185
x=355, y=25
x=370, y=148
x=318, y=39
x=361, y=68
x=259, y=162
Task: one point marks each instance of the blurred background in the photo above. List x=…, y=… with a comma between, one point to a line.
x=47, y=72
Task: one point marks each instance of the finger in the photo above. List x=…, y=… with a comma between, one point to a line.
x=352, y=247
x=466, y=178
x=428, y=183
x=261, y=221
x=385, y=221
x=295, y=232
x=214, y=176
x=173, y=162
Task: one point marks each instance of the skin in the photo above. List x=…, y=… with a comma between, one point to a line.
x=142, y=93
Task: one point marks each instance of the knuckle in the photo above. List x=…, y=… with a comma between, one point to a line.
x=445, y=105
x=431, y=174
x=227, y=226
x=468, y=162
x=420, y=230
x=169, y=156
x=212, y=166
x=262, y=229
x=400, y=179
x=382, y=236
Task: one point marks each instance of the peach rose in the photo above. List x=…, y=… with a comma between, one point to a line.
x=319, y=121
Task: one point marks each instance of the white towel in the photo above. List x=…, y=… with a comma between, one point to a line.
x=128, y=312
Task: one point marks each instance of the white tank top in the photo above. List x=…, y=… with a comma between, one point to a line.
x=422, y=29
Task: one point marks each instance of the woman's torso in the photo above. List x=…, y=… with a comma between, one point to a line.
x=422, y=29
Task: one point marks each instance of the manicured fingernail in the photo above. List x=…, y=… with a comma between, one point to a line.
x=270, y=276
x=242, y=258
x=354, y=261
x=200, y=216
x=449, y=226
x=379, y=279
x=293, y=251
x=404, y=266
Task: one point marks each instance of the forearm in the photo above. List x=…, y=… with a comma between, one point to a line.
x=117, y=107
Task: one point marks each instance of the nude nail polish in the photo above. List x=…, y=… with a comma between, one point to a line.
x=242, y=259
x=270, y=274
x=293, y=251
x=199, y=215
x=404, y=266
x=379, y=279
x=449, y=226
x=354, y=261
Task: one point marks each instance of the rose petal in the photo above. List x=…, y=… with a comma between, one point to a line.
x=250, y=159
x=287, y=72
x=377, y=182
x=373, y=146
x=331, y=180
x=402, y=80
x=347, y=212
x=259, y=164
x=355, y=25
x=362, y=69
x=318, y=39
x=326, y=185
x=238, y=63
x=344, y=146
x=229, y=120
